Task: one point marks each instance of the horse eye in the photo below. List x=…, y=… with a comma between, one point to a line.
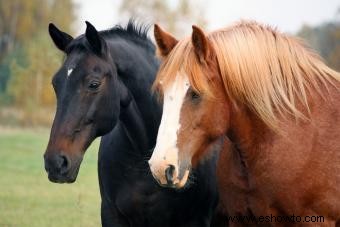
x=94, y=85
x=194, y=95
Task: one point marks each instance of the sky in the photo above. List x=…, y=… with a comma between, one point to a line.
x=286, y=15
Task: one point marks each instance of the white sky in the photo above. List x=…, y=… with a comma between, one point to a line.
x=287, y=15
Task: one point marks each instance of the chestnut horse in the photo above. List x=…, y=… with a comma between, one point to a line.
x=277, y=103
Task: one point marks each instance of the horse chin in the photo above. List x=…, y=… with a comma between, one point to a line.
x=61, y=179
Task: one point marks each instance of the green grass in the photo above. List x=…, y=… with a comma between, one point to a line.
x=27, y=198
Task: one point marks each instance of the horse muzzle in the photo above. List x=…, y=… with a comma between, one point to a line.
x=62, y=168
x=170, y=176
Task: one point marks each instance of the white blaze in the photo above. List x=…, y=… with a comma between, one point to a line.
x=69, y=71
x=166, y=151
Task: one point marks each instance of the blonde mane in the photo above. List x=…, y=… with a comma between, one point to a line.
x=268, y=71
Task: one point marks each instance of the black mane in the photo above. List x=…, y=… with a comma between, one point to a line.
x=133, y=31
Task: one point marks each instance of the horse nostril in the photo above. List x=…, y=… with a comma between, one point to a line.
x=88, y=121
x=169, y=174
x=64, y=164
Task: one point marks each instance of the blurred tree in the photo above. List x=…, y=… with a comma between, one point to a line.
x=325, y=38
x=20, y=20
x=31, y=83
x=18, y=55
x=62, y=14
x=176, y=18
x=28, y=58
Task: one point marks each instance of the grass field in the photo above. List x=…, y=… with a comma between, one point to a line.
x=27, y=198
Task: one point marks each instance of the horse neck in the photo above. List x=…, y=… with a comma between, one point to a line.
x=141, y=113
x=247, y=132
x=134, y=125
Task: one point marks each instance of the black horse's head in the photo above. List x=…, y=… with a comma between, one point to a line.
x=86, y=80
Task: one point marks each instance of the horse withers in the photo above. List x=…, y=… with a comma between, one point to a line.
x=103, y=89
x=276, y=101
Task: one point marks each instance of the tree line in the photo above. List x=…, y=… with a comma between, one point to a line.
x=28, y=58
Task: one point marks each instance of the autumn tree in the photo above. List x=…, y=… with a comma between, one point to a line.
x=28, y=58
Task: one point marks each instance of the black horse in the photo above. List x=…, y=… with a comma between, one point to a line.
x=103, y=89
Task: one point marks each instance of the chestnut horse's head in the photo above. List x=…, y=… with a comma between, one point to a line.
x=85, y=82
x=195, y=106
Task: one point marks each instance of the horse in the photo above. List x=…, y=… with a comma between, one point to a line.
x=103, y=89
x=275, y=100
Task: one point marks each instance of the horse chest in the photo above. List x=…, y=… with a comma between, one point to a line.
x=143, y=204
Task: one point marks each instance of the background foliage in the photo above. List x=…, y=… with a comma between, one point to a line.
x=28, y=58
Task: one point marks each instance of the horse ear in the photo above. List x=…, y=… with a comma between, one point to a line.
x=200, y=43
x=164, y=40
x=94, y=39
x=60, y=39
